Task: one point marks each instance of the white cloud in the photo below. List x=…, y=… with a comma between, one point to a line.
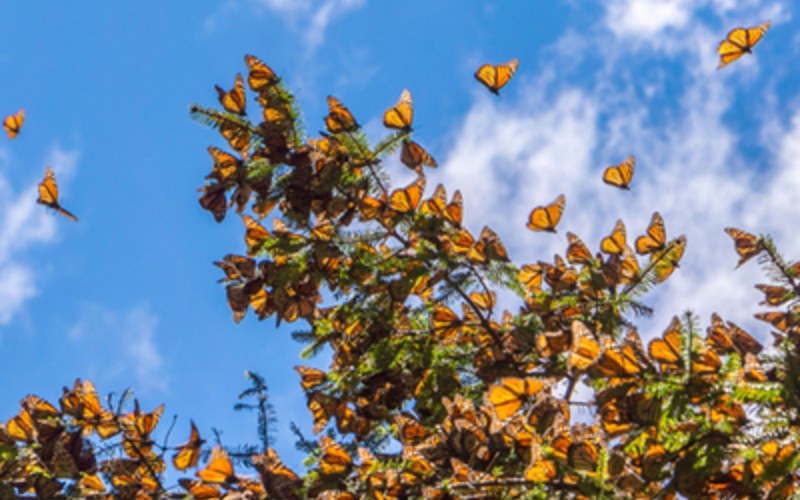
x=648, y=17
x=508, y=157
x=311, y=18
x=121, y=345
x=23, y=224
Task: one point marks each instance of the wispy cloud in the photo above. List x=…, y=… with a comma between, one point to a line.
x=309, y=18
x=121, y=345
x=508, y=157
x=23, y=224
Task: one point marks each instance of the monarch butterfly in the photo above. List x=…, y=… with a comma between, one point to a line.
x=141, y=426
x=235, y=100
x=310, y=377
x=585, y=349
x=237, y=134
x=213, y=199
x=339, y=118
x=409, y=430
x=279, y=481
x=260, y=76
x=617, y=364
x=496, y=76
x=445, y=323
x=407, y=200
x=400, y=116
x=488, y=248
x=437, y=205
x=225, y=165
x=321, y=409
x=255, y=235
x=614, y=244
x=781, y=321
x=746, y=244
x=415, y=157
x=620, y=175
x=39, y=408
x=545, y=218
x=540, y=470
x=94, y=417
x=48, y=194
x=13, y=123
x=531, y=276
x=189, y=453
x=462, y=473
x=219, y=469
x=668, y=349
x=334, y=458
x=21, y=427
x=577, y=252
x=583, y=456
x=775, y=295
x=509, y=393
x=656, y=238
x=669, y=260
x=740, y=41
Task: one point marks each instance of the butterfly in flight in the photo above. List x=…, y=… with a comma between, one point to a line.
x=620, y=175
x=13, y=123
x=496, y=76
x=48, y=194
x=546, y=218
x=740, y=41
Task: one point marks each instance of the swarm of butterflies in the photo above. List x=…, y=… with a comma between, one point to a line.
x=433, y=392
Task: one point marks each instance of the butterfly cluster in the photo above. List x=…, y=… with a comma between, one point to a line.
x=432, y=390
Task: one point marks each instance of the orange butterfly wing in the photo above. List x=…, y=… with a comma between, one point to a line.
x=655, y=239
x=496, y=76
x=400, y=116
x=13, y=123
x=415, y=157
x=48, y=194
x=189, y=452
x=614, y=244
x=546, y=218
x=739, y=42
x=233, y=101
x=746, y=244
x=219, y=469
x=339, y=118
x=620, y=175
x=260, y=76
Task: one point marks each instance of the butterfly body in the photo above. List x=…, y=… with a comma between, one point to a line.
x=48, y=194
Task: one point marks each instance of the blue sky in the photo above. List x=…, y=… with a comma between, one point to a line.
x=128, y=297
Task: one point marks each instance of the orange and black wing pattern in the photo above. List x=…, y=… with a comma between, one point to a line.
x=400, y=116
x=496, y=76
x=747, y=245
x=740, y=41
x=656, y=238
x=13, y=123
x=620, y=175
x=234, y=101
x=546, y=218
x=48, y=194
